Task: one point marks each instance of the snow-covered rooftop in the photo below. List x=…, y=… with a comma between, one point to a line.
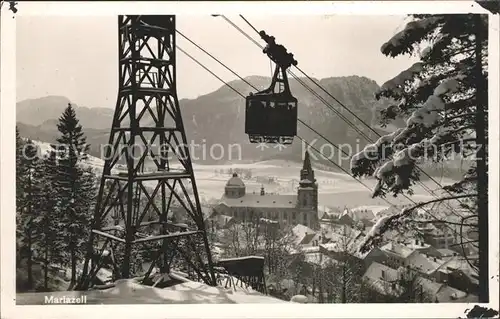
x=318, y=259
x=380, y=278
x=397, y=249
x=300, y=231
x=241, y=258
x=424, y=264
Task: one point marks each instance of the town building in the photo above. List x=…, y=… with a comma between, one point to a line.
x=356, y=218
x=389, y=281
x=397, y=254
x=301, y=208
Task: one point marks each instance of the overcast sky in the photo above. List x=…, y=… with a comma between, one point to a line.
x=76, y=57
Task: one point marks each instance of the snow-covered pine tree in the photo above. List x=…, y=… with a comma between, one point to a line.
x=26, y=162
x=20, y=181
x=443, y=99
x=75, y=186
x=47, y=220
x=19, y=170
x=437, y=96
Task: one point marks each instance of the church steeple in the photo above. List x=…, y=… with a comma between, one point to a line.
x=308, y=188
x=307, y=161
x=307, y=173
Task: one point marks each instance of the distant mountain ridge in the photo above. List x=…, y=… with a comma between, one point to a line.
x=218, y=118
x=36, y=112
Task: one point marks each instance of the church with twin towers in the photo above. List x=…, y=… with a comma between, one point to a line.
x=300, y=208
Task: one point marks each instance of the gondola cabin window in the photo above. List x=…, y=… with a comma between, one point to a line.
x=267, y=118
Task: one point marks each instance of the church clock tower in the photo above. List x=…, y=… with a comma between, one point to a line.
x=308, y=188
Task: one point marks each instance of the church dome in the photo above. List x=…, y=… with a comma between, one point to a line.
x=235, y=181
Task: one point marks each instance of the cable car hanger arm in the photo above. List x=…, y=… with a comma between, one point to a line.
x=277, y=52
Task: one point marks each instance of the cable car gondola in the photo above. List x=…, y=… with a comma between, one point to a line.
x=271, y=114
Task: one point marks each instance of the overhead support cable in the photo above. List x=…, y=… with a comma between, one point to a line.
x=322, y=136
x=431, y=192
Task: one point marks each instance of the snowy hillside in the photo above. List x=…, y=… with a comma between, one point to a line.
x=335, y=189
x=130, y=292
x=92, y=161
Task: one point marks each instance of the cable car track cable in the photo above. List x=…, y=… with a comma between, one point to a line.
x=242, y=95
x=208, y=70
x=345, y=119
x=213, y=57
x=249, y=23
x=337, y=165
x=426, y=188
x=337, y=112
x=376, y=133
x=295, y=76
x=251, y=85
x=243, y=32
x=363, y=122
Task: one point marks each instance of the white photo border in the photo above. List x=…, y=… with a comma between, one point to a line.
x=113, y=8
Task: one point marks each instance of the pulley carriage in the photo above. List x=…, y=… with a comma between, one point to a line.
x=271, y=114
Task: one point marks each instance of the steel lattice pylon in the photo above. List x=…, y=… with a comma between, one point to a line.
x=148, y=183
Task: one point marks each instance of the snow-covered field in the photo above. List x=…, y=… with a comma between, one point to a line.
x=130, y=292
x=335, y=189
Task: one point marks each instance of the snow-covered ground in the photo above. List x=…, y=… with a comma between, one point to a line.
x=130, y=292
x=335, y=189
